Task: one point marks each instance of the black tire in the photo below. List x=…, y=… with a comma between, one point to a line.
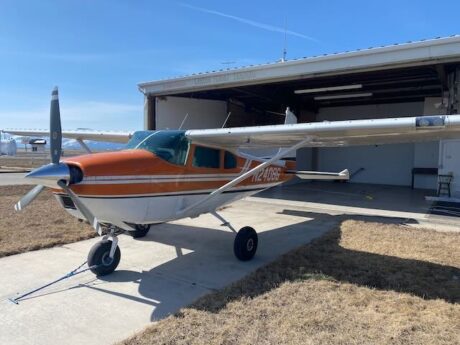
x=98, y=256
x=245, y=245
x=141, y=231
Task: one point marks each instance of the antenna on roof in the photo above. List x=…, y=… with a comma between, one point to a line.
x=285, y=40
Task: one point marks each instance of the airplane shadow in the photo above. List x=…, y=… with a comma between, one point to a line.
x=207, y=268
x=369, y=196
x=204, y=263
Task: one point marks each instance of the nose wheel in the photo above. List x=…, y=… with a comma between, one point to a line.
x=245, y=244
x=104, y=256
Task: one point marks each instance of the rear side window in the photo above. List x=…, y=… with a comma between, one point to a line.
x=206, y=157
x=229, y=160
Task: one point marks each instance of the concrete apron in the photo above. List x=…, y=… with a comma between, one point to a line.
x=10, y=178
x=171, y=267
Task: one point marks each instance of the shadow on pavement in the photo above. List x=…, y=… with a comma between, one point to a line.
x=208, y=269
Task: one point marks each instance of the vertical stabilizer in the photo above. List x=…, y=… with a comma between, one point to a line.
x=290, y=119
x=267, y=153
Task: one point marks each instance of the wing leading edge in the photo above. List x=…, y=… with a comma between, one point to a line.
x=116, y=137
x=333, y=134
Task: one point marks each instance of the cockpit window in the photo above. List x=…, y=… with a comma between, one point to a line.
x=137, y=138
x=172, y=146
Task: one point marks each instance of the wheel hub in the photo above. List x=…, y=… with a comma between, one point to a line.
x=250, y=245
x=106, y=259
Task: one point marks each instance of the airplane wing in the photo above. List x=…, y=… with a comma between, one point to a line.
x=320, y=134
x=116, y=137
x=333, y=134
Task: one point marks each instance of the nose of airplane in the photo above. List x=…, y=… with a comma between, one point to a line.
x=48, y=175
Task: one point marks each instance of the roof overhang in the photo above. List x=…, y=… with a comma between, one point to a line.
x=434, y=51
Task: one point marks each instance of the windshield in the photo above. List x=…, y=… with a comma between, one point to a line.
x=172, y=146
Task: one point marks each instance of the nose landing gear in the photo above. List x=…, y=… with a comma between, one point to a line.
x=104, y=256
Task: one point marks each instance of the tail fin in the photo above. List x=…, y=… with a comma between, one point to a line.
x=267, y=153
x=290, y=119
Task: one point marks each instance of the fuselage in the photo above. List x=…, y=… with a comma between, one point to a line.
x=153, y=182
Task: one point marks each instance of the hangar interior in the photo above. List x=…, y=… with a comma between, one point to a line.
x=420, y=78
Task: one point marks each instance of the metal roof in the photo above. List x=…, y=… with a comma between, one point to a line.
x=437, y=50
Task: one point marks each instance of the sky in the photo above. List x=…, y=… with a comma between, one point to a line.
x=97, y=51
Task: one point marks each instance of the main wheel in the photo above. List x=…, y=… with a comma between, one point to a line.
x=245, y=245
x=99, y=257
x=141, y=231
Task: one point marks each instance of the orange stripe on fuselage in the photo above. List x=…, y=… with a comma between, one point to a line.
x=128, y=164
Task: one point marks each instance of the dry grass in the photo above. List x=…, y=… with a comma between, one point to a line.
x=23, y=162
x=363, y=283
x=43, y=224
x=29, y=160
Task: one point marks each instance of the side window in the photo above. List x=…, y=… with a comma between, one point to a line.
x=206, y=157
x=229, y=160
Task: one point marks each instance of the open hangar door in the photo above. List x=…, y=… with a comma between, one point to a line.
x=210, y=111
x=399, y=92
x=190, y=113
x=382, y=164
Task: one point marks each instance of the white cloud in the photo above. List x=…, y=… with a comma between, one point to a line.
x=259, y=25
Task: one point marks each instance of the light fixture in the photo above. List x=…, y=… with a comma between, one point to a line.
x=331, y=88
x=351, y=95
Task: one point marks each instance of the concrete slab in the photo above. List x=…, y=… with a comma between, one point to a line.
x=362, y=199
x=180, y=261
x=176, y=263
x=10, y=178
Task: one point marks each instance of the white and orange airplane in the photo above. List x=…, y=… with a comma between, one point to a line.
x=166, y=175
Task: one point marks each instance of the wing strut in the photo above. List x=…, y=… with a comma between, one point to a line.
x=244, y=176
x=83, y=145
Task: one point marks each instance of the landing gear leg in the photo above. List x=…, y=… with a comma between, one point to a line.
x=246, y=240
x=224, y=221
x=104, y=256
x=141, y=230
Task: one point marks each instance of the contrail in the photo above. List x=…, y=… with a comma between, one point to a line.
x=250, y=22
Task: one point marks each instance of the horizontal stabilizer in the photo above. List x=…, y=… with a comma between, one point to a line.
x=319, y=175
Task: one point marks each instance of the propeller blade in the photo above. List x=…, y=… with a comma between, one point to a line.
x=81, y=207
x=55, y=128
x=28, y=198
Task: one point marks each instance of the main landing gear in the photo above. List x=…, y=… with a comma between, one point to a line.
x=245, y=244
x=141, y=230
x=246, y=240
x=104, y=256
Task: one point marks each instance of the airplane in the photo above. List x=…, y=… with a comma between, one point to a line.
x=7, y=146
x=165, y=175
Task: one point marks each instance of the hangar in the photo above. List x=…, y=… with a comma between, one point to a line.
x=414, y=78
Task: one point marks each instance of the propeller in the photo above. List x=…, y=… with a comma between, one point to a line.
x=55, y=128
x=28, y=198
x=57, y=173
